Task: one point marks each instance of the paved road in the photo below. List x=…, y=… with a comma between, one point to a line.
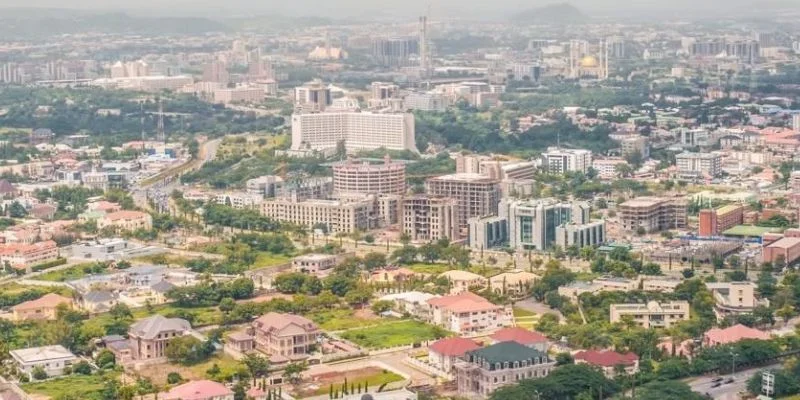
x=729, y=391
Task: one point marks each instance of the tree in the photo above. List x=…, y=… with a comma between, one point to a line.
x=17, y=210
x=564, y=383
x=82, y=367
x=651, y=269
x=766, y=285
x=666, y=390
x=381, y=306
x=358, y=296
x=105, y=359
x=174, y=378
x=257, y=365
x=564, y=359
x=369, y=238
x=373, y=261
x=120, y=311
x=227, y=304
x=188, y=350
x=293, y=372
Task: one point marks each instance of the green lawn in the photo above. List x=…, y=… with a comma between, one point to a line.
x=436, y=269
x=266, y=259
x=374, y=381
x=391, y=334
x=203, y=316
x=341, y=319
x=64, y=275
x=519, y=312
x=84, y=387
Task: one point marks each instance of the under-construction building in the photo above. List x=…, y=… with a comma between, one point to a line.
x=653, y=214
x=430, y=218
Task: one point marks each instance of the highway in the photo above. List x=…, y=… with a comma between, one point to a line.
x=727, y=391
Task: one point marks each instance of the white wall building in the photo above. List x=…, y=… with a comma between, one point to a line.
x=52, y=359
x=560, y=161
x=358, y=131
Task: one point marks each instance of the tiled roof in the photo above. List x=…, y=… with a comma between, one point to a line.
x=149, y=328
x=51, y=300
x=734, y=334
x=464, y=302
x=506, y=352
x=519, y=335
x=197, y=390
x=278, y=321
x=606, y=358
x=455, y=347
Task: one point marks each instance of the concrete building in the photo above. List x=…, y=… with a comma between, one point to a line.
x=635, y=145
x=126, y=221
x=445, y=353
x=239, y=95
x=313, y=96
x=488, y=232
x=560, y=161
x=516, y=283
x=313, y=263
x=607, y=168
x=335, y=215
x=653, y=214
x=51, y=359
x=652, y=314
x=786, y=249
x=365, y=178
x=430, y=218
x=467, y=312
x=239, y=200
x=285, y=337
x=485, y=370
x=150, y=337
x=267, y=186
x=22, y=256
x=476, y=195
x=430, y=101
x=522, y=336
x=608, y=361
x=714, y=222
x=395, y=52
x=734, y=298
x=383, y=90
x=698, y=164
x=305, y=189
x=733, y=334
x=356, y=130
x=216, y=71
x=581, y=235
x=43, y=308
x=532, y=224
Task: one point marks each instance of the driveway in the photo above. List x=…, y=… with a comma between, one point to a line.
x=532, y=305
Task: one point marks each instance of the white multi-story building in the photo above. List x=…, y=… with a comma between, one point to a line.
x=425, y=102
x=357, y=130
x=239, y=199
x=607, y=168
x=698, y=164
x=652, y=314
x=51, y=359
x=265, y=186
x=336, y=216
x=239, y=94
x=560, y=161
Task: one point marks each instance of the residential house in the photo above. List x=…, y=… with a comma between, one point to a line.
x=313, y=263
x=468, y=313
x=461, y=281
x=52, y=359
x=733, y=334
x=609, y=361
x=43, y=211
x=24, y=256
x=651, y=315
x=97, y=300
x=150, y=337
x=392, y=275
x=126, y=221
x=285, y=337
x=43, y=308
x=444, y=353
x=198, y=390
x=485, y=370
x=513, y=283
x=413, y=303
x=522, y=336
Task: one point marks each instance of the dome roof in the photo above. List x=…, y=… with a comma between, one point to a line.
x=589, y=62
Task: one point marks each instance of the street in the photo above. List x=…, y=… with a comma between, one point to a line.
x=729, y=391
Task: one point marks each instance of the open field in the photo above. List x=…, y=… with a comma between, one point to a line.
x=342, y=319
x=266, y=259
x=371, y=377
x=84, y=387
x=69, y=274
x=392, y=334
x=227, y=366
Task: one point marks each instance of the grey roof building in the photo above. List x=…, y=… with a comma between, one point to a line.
x=484, y=370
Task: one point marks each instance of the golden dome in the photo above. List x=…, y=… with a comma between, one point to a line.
x=589, y=62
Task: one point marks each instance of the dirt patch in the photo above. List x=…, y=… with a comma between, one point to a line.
x=320, y=384
x=365, y=313
x=266, y=298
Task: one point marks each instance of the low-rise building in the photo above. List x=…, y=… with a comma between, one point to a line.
x=285, y=337
x=652, y=314
x=461, y=281
x=126, y=220
x=485, y=370
x=313, y=263
x=198, y=390
x=43, y=308
x=733, y=334
x=51, y=359
x=444, y=353
x=522, y=336
x=734, y=298
x=23, y=256
x=513, y=283
x=150, y=337
x=468, y=313
x=608, y=361
x=786, y=250
x=660, y=284
x=413, y=303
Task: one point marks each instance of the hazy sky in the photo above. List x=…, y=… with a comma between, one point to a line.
x=360, y=8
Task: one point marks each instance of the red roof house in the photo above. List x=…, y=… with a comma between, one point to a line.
x=608, y=360
x=521, y=336
x=732, y=334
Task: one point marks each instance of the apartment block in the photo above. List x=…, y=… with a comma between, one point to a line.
x=714, y=222
x=698, y=164
x=560, y=161
x=476, y=195
x=357, y=130
x=337, y=216
x=429, y=218
x=653, y=214
x=652, y=314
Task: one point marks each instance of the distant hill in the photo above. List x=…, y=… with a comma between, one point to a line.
x=562, y=13
x=39, y=23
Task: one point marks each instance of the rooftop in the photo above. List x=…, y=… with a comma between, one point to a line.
x=606, y=358
x=465, y=177
x=196, y=390
x=38, y=354
x=151, y=327
x=785, y=243
x=519, y=335
x=455, y=346
x=505, y=352
x=49, y=300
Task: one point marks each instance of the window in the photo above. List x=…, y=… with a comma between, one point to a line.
x=505, y=364
x=497, y=366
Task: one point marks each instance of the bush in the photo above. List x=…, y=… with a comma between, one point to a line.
x=50, y=264
x=105, y=359
x=82, y=368
x=38, y=373
x=174, y=378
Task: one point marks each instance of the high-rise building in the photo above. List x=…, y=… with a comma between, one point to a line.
x=10, y=73
x=395, y=52
x=357, y=130
x=561, y=161
x=532, y=224
x=216, y=71
x=313, y=96
x=365, y=178
x=383, y=91
x=476, y=195
x=796, y=122
x=698, y=164
x=653, y=214
x=425, y=66
x=430, y=218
